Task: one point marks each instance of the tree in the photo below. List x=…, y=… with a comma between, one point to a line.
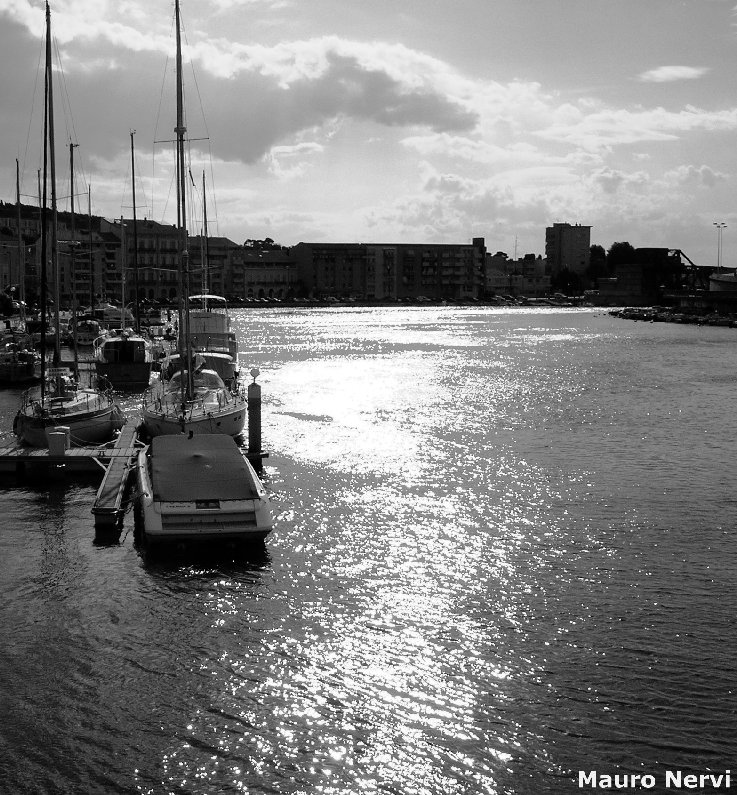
x=598, y=267
x=567, y=282
x=620, y=254
x=267, y=244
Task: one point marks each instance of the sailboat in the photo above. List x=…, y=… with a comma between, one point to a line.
x=124, y=356
x=87, y=415
x=210, y=332
x=189, y=397
x=194, y=483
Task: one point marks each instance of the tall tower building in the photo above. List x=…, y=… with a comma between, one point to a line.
x=568, y=247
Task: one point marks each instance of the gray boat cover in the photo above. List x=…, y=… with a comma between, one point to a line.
x=205, y=467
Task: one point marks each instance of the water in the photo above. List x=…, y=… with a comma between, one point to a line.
x=503, y=553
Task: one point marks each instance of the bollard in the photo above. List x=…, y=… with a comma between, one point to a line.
x=254, y=417
x=58, y=440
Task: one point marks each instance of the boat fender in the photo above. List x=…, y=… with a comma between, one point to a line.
x=16, y=423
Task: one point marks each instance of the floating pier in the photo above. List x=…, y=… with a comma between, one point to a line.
x=114, y=462
x=108, y=508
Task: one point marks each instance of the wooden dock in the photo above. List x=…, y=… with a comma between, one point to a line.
x=114, y=462
x=108, y=508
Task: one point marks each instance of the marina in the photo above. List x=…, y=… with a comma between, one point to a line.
x=536, y=606
x=491, y=548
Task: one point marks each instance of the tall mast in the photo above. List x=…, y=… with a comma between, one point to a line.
x=123, y=248
x=42, y=200
x=52, y=167
x=73, y=262
x=89, y=251
x=180, y=130
x=21, y=251
x=206, y=258
x=135, y=239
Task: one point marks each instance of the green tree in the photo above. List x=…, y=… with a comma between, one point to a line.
x=620, y=254
x=598, y=267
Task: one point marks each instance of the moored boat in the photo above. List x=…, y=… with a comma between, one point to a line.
x=91, y=415
x=210, y=335
x=200, y=488
x=124, y=359
x=189, y=397
x=83, y=332
x=18, y=365
x=203, y=404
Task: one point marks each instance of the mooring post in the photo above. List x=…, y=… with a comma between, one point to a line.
x=254, y=417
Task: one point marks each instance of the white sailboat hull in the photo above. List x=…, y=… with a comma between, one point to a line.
x=93, y=424
x=196, y=419
x=212, y=408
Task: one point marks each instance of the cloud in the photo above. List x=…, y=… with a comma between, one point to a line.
x=696, y=176
x=616, y=126
x=670, y=74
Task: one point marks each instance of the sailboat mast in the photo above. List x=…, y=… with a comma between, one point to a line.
x=180, y=130
x=42, y=198
x=123, y=248
x=21, y=251
x=52, y=169
x=73, y=262
x=89, y=249
x=206, y=263
x=135, y=238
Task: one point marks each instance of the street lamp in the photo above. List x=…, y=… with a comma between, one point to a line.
x=719, y=225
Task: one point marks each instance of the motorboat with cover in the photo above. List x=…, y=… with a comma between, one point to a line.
x=200, y=488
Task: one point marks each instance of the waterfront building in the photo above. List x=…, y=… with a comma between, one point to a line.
x=568, y=248
x=651, y=275
x=391, y=271
x=523, y=277
x=258, y=273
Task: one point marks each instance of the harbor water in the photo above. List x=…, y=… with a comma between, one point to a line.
x=503, y=554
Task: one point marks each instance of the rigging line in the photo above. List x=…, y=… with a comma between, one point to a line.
x=207, y=135
x=71, y=130
x=33, y=105
x=156, y=130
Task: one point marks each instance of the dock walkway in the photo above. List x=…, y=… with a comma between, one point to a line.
x=114, y=462
x=108, y=507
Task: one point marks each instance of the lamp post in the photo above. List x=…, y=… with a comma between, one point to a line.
x=719, y=225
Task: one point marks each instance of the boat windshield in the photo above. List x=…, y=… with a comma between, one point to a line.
x=211, y=303
x=203, y=379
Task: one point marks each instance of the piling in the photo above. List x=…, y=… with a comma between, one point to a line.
x=254, y=419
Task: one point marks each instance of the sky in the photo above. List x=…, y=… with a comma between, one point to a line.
x=390, y=121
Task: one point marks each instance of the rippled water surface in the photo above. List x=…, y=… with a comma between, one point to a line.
x=503, y=553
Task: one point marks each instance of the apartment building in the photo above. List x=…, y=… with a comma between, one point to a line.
x=568, y=247
x=384, y=271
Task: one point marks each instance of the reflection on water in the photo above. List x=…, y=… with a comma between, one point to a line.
x=501, y=554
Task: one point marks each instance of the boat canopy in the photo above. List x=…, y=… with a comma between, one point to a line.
x=216, y=298
x=205, y=467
